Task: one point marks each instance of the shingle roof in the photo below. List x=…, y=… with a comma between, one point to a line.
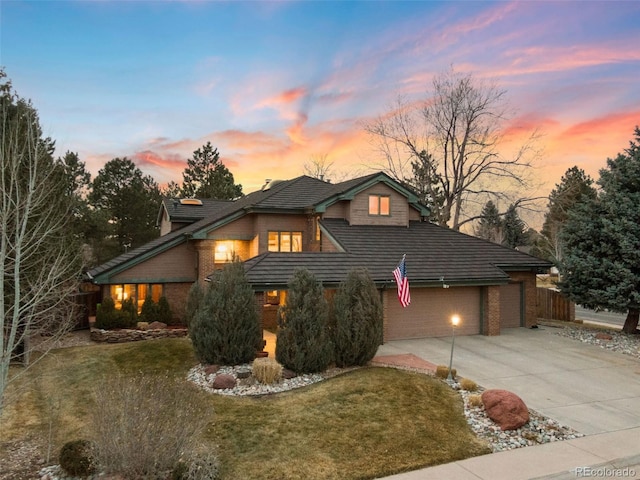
x=433, y=254
x=190, y=213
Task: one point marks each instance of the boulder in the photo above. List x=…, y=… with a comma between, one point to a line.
x=157, y=326
x=288, y=374
x=603, y=336
x=505, y=408
x=210, y=369
x=142, y=325
x=224, y=381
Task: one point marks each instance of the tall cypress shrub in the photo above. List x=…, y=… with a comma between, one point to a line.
x=195, y=299
x=226, y=328
x=357, y=331
x=303, y=341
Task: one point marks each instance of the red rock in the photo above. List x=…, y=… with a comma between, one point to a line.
x=603, y=336
x=224, y=381
x=288, y=374
x=209, y=369
x=157, y=326
x=505, y=408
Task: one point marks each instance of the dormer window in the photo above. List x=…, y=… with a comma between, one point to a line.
x=379, y=205
x=285, y=241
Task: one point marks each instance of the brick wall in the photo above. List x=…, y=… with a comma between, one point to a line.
x=176, y=294
x=492, y=311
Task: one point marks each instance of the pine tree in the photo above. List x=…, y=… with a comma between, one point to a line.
x=303, y=340
x=357, y=332
x=514, y=229
x=602, y=241
x=226, y=328
x=207, y=177
x=574, y=187
x=490, y=226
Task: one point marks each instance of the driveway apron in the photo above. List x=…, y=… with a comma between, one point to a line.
x=583, y=386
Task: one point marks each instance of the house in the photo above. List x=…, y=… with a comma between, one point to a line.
x=370, y=221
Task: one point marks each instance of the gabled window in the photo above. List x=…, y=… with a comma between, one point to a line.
x=379, y=204
x=285, y=241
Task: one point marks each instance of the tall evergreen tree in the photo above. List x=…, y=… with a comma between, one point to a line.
x=574, y=187
x=303, y=340
x=207, y=177
x=226, y=328
x=357, y=332
x=601, y=264
x=490, y=226
x=514, y=228
x=131, y=201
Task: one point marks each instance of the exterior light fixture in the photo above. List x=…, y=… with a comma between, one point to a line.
x=455, y=320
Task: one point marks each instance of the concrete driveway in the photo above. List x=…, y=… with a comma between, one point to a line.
x=582, y=386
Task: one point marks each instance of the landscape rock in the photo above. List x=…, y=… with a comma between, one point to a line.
x=157, y=326
x=224, y=381
x=603, y=336
x=211, y=369
x=505, y=408
x=142, y=325
x=288, y=374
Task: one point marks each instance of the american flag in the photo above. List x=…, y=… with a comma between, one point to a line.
x=400, y=274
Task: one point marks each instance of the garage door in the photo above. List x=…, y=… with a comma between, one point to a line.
x=511, y=305
x=430, y=312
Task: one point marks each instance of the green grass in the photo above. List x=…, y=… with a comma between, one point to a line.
x=367, y=423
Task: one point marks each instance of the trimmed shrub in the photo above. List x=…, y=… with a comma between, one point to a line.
x=442, y=371
x=129, y=312
x=149, y=310
x=303, y=340
x=194, y=301
x=142, y=423
x=164, y=311
x=468, y=385
x=266, y=370
x=108, y=317
x=357, y=322
x=226, y=327
x=78, y=458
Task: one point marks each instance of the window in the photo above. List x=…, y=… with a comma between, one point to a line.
x=285, y=241
x=379, y=204
x=138, y=292
x=224, y=251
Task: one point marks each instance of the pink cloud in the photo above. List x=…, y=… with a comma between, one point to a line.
x=284, y=98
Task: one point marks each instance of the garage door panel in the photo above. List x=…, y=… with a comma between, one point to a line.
x=430, y=312
x=511, y=305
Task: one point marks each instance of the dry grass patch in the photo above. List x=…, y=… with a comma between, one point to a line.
x=365, y=424
x=368, y=423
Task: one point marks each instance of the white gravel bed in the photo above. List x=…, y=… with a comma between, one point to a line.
x=628, y=344
x=538, y=430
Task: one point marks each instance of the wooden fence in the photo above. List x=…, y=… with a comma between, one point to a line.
x=553, y=305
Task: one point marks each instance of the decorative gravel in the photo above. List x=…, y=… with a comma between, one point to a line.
x=538, y=430
x=628, y=344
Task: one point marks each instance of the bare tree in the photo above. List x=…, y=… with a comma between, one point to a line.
x=40, y=264
x=448, y=147
x=319, y=166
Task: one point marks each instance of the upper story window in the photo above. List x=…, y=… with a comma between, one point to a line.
x=379, y=204
x=285, y=241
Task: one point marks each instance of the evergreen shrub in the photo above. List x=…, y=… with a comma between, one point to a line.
x=149, y=311
x=357, y=322
x=195, y=299
x=225, y=329
x=164, y=311
x=303, y=340
x=109, y=317
x=78, y=458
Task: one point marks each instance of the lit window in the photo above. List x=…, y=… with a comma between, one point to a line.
x=136, y=292
x=285, y=242
x=224, y=251
x=379, y=205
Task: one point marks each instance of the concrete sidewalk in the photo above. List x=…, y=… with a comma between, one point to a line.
x=593, y=390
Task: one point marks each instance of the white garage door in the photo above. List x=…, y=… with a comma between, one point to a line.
x=430, y=312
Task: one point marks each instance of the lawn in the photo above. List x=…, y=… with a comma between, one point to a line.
x=366, y=423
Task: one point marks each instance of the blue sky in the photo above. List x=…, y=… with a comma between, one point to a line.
x=273, y=83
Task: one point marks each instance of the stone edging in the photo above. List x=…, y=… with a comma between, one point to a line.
x=125, y=335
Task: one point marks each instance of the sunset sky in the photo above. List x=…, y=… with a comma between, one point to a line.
x=272, y=83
